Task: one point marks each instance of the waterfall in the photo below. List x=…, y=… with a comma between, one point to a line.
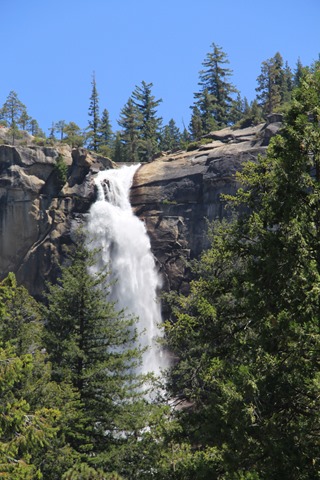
x=124, y=247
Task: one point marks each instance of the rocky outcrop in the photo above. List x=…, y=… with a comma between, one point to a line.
x=37, y=209
x=177, y=194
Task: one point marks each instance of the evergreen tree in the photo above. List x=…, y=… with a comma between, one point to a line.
x=252, y=114
x=60, y=128
x=248, y=335
x=74, y=135
x=34, y=129
x=12, y=112
x=274, y=84
x=185, y=138
x=298, y=73
x=24, y=431
x=118, y=153
x=215, y=97
x=170, y=136
x=52, y=131
x=24, y=120
x=94, y=122
x=195, y=126
x=12, y=109
x=237, y=110
x=131, y=130
x=106, y=136
x=287, y=83
x=148, y=122
x=37, y=414
x=206, y=105
x=92, y=344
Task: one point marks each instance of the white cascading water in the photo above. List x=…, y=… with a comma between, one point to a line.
x=125, y=248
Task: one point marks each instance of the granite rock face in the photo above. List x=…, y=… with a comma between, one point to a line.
x=36, y=211
x=177, y=194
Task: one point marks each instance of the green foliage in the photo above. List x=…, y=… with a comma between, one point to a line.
x=118, y=151
x=32, y=391
x=148, y=123
x=166, y=201
x=214, y=101
x=24, y=431
x=106, y=137
x=247, y=336
x=73, y=135
x=170, y=137
x=83, y=471
x=93, y=133
x=13, y=109
x=275, y=84
x=193, y=146
x=61, y=170
x=93, y=345
x=130, y=134
x=20, y=323
x=141, y=126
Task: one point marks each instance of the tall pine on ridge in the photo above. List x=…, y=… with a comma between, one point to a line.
x=93, y=128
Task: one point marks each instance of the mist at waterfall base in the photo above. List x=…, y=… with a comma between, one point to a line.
x=124, y=249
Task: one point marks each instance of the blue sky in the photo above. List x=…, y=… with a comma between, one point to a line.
x=49, y=50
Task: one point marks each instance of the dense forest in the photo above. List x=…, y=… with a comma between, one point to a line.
x=217, y=104
x=241, y=399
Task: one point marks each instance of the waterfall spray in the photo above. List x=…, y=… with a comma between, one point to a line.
x=124, y=247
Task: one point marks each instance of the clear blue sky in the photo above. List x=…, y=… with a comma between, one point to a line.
x=50, y=48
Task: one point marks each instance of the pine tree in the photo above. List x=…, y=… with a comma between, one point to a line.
x=237, y=110
x=94, y=122
x=24, y=120
x=12, y=112
x=34, y=129
x=185, y=138
x=195, y=126
x=60, y=128
x=52, y=131
x=93, y=345
x=106, y=136
x=298, y=73
x=170, y=136
x=24, y=431
x=130, y=133
x=207, y=106
x=118, y=154
x=148, y=122
x=248, y=335
x=215, y=97
x=37, y=414
x=12, y=109
x=74, y=135
x=287, y=84
x=274, y=84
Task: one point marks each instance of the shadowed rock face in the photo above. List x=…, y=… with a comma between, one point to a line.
x=176, y=194
x=36, y=213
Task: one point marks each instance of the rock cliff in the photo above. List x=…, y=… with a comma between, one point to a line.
x=177, y=193
x=174, y=195
x=37, y=211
